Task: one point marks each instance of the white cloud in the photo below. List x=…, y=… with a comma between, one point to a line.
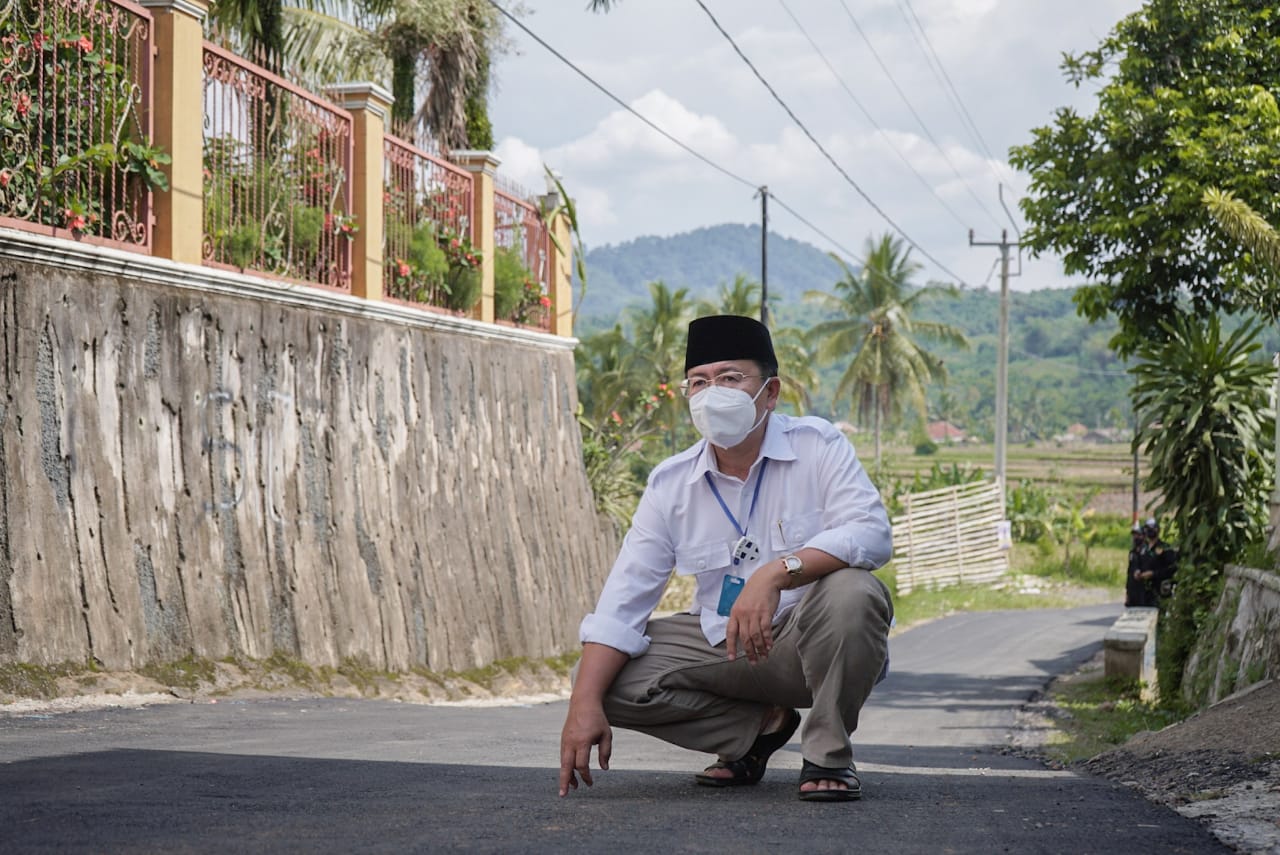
x=666, y=59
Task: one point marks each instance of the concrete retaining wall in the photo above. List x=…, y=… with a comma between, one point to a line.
x=198, y=462
x=1241, y=645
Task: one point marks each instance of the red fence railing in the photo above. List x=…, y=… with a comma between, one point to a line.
x=428, y=229
x=277, y=161
x=522, y=266
x=75, y=120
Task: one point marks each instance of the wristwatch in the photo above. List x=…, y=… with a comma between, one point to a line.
x=794, y=567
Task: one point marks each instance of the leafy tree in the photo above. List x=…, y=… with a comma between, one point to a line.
x=1190, y=103
x=1205, y=425
x=872, y=327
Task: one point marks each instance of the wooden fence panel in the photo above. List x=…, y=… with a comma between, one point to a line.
x=951, y=535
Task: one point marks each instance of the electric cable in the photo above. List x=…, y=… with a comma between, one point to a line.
x=868, y=116
x=805, y=130
x=924, y=127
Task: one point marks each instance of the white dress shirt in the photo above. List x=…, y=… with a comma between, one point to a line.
x=814, y=493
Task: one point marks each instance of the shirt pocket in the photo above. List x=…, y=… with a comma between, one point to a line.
x=794, y=532
x=702, y=558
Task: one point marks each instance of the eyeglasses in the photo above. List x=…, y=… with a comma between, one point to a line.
x=728, y=379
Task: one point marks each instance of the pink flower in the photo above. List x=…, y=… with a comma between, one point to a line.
x=75, y=222
x=617, y=419
x=454, y=244
x=402, y=269
x=5, y=178
x=22, y=103
x=544, y=301
x=85, y=44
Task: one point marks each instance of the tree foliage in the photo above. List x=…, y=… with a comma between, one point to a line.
x=1187, y=101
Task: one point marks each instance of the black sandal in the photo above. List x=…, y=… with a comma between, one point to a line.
x=847, y=776
x=749, y=768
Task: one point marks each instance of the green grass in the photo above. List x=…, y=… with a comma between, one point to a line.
x=1055, y=585
x=1103, y=713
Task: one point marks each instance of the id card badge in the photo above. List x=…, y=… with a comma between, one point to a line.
x=729, y=592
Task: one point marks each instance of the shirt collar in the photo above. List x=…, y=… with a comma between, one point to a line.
x=776, y=446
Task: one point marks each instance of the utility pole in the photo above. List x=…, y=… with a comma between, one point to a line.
x=764, y=254
x=1002, y=357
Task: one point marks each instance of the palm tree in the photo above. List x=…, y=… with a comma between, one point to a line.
x=796, y=369
x=659, y=333
x=872, y=327
x=388, y=41
x=742, y=298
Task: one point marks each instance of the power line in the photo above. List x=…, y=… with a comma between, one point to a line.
x=924, y=127
x=944, y=80
x=867, y=114
x=624, y=105
x=857, y=259
x=821, y=148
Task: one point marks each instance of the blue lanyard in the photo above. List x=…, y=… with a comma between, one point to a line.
x=728, y=513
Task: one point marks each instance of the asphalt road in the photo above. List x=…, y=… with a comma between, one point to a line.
x=370, y=776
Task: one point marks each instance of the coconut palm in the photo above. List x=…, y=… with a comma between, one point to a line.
x=388, y=41
x=796, y=369
x=742, y=298
x=871, y=326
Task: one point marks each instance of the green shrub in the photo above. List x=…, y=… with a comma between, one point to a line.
x=509, y=276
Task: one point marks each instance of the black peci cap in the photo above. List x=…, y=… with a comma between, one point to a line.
x=717, y=338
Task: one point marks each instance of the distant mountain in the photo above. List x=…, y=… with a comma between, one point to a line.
x=701, y=261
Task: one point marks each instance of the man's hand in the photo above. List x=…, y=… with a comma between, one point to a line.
x=751, y=618
x=584, y=726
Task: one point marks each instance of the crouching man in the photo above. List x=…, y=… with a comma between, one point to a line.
x=776, y=519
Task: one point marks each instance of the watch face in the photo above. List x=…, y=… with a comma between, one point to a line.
x=793, y=563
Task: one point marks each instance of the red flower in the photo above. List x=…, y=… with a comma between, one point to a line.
x=38, y=40
x=617, y=419
x=75, y=222
x=22, y=103
x=85, y=44
x=402, y=269
x=544, y=301
x=5, y=178
x=454, y=244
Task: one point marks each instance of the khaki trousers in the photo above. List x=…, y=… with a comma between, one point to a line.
x=828, y=653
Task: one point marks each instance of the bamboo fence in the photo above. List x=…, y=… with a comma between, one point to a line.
x=951, y=535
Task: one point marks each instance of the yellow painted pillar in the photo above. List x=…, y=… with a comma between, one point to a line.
x=370, y=108
x=561, y=276
x=178, y=126
x=483, y=166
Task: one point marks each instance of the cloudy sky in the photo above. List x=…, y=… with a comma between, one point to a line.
x=916, y=101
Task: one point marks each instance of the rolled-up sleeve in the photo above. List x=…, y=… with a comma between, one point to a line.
x=635, y=583
x=855, y=524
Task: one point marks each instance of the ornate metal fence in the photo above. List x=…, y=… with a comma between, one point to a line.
x=75, y=120
x=277, y=161
x=427, y=212
x=522, y=267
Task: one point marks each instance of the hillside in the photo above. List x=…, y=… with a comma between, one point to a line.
x=1061, y=368
x=700, y=260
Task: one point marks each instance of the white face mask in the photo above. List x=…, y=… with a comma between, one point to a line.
x=725, y=416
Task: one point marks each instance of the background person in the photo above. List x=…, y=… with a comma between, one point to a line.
x=777, y=521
